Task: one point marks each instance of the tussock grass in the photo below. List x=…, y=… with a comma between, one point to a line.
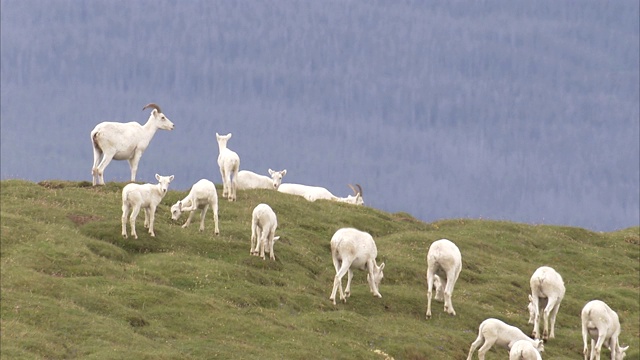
x=72, y=287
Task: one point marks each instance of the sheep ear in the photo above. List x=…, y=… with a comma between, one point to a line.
x=180, y=205
x=157, y=177
x=623, y=349
x=271, y=172
x=171, y=178
x=276, y=238
x=381, y=266
x=284, y=172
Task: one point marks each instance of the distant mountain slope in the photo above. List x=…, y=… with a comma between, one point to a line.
x=73, y=288
x=525, y=112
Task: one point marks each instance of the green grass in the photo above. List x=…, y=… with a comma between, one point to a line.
x=72, y=287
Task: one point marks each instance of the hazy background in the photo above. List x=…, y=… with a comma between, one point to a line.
x=522, y=111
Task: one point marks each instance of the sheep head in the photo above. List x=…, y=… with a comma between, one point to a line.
x=158, y=118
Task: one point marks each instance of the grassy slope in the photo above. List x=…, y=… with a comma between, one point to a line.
x=73, y=288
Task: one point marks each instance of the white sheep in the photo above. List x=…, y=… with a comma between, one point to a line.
x=547, y=292
x=444, y=261
x=602, y=325
x=313, y=193
x=354, y=249
x=145, y=196
x=493, y=331
x=250, y=180
x=523, y=350
x=202, y=196
x=229, y=163
x=263, y=228
x=124, y=141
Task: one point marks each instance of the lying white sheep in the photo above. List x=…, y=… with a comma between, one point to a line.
x=523, y=350
x=229, y=163
x=250, y=180
x=145, y=196
x=444, y=261
x=124, y=141
x=602, y=325
x=547, y=292
x=202, y=196
x=263, y=228
x=354, y=249
x=313, y=193
x=493, y=331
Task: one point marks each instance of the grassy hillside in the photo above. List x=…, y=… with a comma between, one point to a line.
x=72, y=287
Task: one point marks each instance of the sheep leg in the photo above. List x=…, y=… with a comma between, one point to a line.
x=272, y=256
x=203, y=214
x=97, y=154
x=188, y=222
x=484, y=348
x=215, y=219
x=341, y=268
x=132, y=221
x=146, y=218
x=152, y=212
x=347, y=292
x=448, y=291
x=234, y=183
x=598, y=347
x=475, y=344
x=106, y=159
x=254, y=239
x=552, y=319
x=133, y=164
x=535, y=300
x=125, y=212
x=225, y=184
x=430, y=274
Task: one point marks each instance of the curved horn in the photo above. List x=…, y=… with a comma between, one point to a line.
x=359, y=189
x=152, y=105
x=355, y=192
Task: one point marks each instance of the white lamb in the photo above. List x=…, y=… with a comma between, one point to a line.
x=250, y=180
x=263, y=228
x=124, y=141
x=493, y=331
x=229, y=163
x=547, y=292
x=602, y=325
x=354, y=249
x=523, y=350
x=145, y=196
x=202, y=196
x=444, y=261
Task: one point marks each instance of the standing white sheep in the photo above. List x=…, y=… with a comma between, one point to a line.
x=524, y=350
x=493, y=331
x=444, y=261
x=250, y=180
x=263, y=228
x=229, y=163
x=124, y=141
x=354, y=249
x=145, y=196
x=202, y=196
x=602, y=325
x=547, y=292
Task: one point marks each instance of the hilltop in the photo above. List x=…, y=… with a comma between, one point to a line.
x=72, y=287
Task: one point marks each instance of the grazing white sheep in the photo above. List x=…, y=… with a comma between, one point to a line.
x=263, y=228
x=229, y=163
x=124, y=141
x=602, y=325
x=547, y=292
x=145, y=196
x=354, y=249
x=444, y=261
x=202, y=196
x=523, y=350
x=493, y=331
x=250, y=180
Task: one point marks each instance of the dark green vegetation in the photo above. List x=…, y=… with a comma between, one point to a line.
x=73, y=288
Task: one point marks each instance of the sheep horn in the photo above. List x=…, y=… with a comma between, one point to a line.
x=152, y=105
x=360, y=189
x=355, y=192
